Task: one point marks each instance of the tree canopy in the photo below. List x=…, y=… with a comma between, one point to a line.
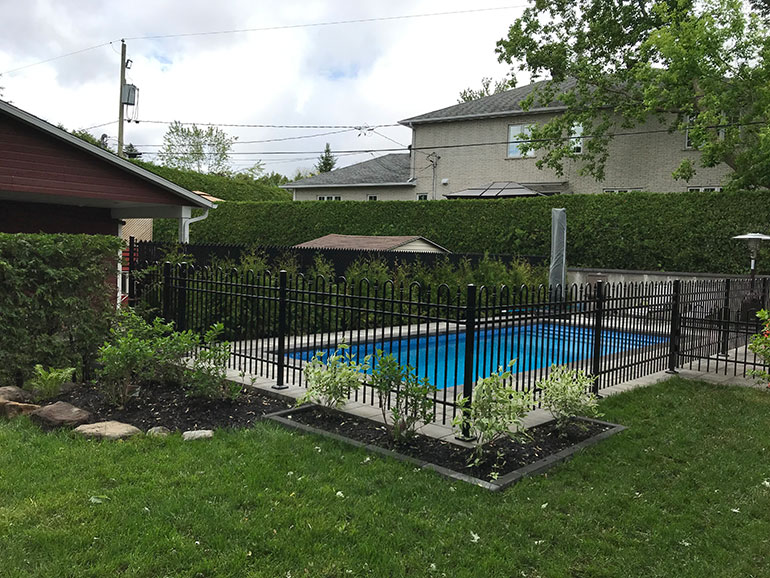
x=697, y=65
x=327, y=161
x=487, y=88
x=193, y=148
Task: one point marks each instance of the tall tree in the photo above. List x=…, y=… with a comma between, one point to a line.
x=487, y=88
x=696, y=65
x=193, y=148
x=327, y=161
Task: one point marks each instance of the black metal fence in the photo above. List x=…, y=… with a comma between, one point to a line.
x=453, y=336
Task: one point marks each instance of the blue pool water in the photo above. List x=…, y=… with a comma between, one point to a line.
x=441, y=358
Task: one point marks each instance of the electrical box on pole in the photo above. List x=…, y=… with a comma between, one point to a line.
x=128, y=95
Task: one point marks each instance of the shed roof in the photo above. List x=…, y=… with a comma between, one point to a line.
x=22, y=185
x=365, y=242
x=389, y=170
x=510, y=189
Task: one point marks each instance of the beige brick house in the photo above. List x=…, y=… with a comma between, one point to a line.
x=470, y=150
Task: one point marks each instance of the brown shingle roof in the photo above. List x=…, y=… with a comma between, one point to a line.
x=362, y=242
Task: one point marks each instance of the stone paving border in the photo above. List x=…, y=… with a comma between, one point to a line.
x=501, y=483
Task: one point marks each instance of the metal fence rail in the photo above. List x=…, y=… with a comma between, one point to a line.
x=454, y=336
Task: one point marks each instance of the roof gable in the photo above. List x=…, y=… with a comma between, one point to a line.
x=365, y=242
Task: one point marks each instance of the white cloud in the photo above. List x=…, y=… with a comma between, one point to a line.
x=364, y=73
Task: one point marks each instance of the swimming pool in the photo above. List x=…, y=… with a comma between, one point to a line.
x=441, y=358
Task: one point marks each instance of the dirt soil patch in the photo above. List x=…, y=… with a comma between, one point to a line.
x=167, y=405
x=502, y=456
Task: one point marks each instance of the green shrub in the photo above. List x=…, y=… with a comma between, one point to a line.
x=140, y=353
x=495, y=410
x=405, y=399
x=649, y=231
x=332, y=382
x=57, y=299
x=566, y=394
x=760, y=345
x=46, y=383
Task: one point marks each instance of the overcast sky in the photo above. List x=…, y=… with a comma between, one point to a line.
x=367, y=73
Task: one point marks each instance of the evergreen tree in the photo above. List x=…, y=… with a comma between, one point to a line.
x=326, y=161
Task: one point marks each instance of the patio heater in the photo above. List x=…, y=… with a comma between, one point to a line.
x=752, y=302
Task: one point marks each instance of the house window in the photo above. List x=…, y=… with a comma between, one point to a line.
x=623, y=190
x=329, y=198
x=371, y=197
x=704, y=189
x=422, y=197
x=516, y=134
x=577, y=138
x=688, y=144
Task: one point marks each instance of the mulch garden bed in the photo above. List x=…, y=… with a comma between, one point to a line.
x=167, y=405
x=503, y=457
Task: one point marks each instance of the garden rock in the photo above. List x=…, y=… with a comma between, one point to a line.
x=13, y=393
x=12, y=409
x=158, y=431
x=200, y=434
x=60, y=414
x=108, y=430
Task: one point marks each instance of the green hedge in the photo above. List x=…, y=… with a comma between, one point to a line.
x=647, y=231
x=222, y=187
x=57, y=297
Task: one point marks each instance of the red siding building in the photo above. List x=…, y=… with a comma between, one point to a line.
x=54, y=182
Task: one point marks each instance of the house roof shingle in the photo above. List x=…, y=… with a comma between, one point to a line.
x=390, y=170
x=363, y=242
x=499, y=104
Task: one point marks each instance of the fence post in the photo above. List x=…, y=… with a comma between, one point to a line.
x=131, y=270
x=676, y=326
x=724, y=332
x=166, y=291
x=282, y=282
x=598, y=321
x=470, y=342
x=181, y=301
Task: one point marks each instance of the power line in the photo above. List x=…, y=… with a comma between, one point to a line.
x=321, y=24
x=240, y=142
x=292, y=126
x=263, y=29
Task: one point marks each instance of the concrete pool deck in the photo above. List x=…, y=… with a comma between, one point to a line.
x=445, y=431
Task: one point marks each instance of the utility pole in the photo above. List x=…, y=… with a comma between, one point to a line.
x=120, y=99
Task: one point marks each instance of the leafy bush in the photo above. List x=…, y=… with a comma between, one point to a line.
x=495, y=410
x=760, y=345
x=208, y=375
x=643, y=230
x=46, y=383
x=400, y=390
x=330, y=383
x=140, y=353
x=566, y=394
x=57, y=300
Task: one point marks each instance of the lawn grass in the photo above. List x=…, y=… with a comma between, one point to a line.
x=680, y=493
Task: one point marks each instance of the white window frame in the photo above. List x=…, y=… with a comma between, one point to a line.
x=515, y=132
x=422, y=196
x=705, y=189
x=576, y=135
x=623, y=190
x=687, y=144
x=329, y=198
x=371, y=197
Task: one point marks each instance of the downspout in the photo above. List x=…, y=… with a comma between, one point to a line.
x=184, y=225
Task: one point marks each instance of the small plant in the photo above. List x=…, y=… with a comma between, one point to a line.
x=566, y=394
x=760, y=345
x=207, y=377
x=331, y=382
x=47, y=383
x=407, y=396
x=495, y=411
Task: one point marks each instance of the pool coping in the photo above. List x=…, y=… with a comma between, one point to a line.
x=533, y=469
